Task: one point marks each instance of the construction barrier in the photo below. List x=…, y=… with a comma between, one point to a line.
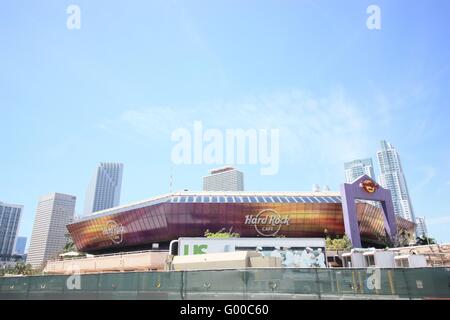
x=269, y=283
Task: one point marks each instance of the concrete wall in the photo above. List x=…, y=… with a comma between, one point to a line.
x=127, y=262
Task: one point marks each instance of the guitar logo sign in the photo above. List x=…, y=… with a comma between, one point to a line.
x=267, y=223
x=114, y=231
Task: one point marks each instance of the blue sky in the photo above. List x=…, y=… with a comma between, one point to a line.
x=137, y=70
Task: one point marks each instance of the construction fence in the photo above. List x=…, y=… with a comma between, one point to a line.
x=245, y=284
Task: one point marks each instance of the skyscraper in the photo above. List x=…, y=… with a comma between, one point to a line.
x=9, y=223
x=421, y=229
x=356, y=168
x=21, y=243
x=393, y=178
x=53, y=213
x=224, y=179
x=104, y=190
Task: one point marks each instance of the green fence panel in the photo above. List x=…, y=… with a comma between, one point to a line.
x=15, y=288
x=161, y=285
x=215, y=284
x=81, y=287
x=121, y=285
x=429, y=283
x=265, y=283
x=282, y=283
x=46, y=287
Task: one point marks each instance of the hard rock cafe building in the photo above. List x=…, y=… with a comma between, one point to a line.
x=352, y=211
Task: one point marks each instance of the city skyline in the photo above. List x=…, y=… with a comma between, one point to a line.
x=351, y=169
x=91, y=95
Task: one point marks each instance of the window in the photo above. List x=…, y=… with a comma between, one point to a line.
x=269, y=199
x=370, y=260
x=261, y=199
x=293, y=199
x=300, y=199
x=323, y=199
x=329, y=199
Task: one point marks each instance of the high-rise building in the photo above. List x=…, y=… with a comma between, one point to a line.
x=9, y=224
x=21, y=244
x=53, y=213
x=421, y=227
x=224, y=179
x=357, y=168
x=104, y=190
x=393, y=178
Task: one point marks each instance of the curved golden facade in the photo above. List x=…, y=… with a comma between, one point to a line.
x=166, y=218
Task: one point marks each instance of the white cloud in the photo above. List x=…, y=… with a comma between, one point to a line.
x=331, y=128
x=429, y=172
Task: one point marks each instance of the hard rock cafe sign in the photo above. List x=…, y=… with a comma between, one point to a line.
x=369, y=186
x=114, y=231
x=267, y=223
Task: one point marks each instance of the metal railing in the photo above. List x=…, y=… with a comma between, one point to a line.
x=90, y=256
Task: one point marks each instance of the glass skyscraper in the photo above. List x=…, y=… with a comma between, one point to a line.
x=357, y=168
x=9, y=224
x=393, y=178
x=421, y=227
x=21, y=244
x=104, y=190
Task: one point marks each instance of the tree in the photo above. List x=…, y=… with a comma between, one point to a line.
x=424, y=240
x=19, y=268
x=24, y=269
x=222, y=234
x=402, y=238
x=337, y=243
x=70, y=245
